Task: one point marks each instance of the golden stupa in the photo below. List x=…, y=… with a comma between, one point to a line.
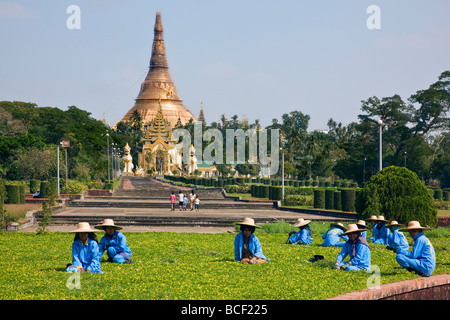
x=159, y=88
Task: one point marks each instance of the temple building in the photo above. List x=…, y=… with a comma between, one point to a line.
x=162, y=110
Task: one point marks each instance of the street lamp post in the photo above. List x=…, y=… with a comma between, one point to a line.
x=380, y=122
x=57, y=157
x=405, y=159
x=282, y=175
x=364, y=170
x=107, y=141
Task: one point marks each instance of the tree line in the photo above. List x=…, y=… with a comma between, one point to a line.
x=416, y=134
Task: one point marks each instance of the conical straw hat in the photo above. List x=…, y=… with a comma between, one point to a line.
x=352, y=227
x=361, y=223
x=301, y=222
x=414, y=225
x=248, y=222
x=108, y=223
x=83, y=227
x=394, y=223
x=339, y=225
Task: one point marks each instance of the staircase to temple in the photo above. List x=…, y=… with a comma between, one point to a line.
x=142, y=201
x=138, y=192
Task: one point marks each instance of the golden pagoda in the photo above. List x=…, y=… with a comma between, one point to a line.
x=159, y=85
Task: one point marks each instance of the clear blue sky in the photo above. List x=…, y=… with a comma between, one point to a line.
x=261, y=58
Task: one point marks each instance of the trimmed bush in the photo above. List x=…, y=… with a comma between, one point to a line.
x=348, y=197
x=12, y=194
x=398, y=194
x=22, y=193
x=337, y=200
x=265, y=191
x=446, y=195
x=438, y=194
x=49, y=189
x=34, y=185
x=329, y=199
x=275, y=193
x=319, y=198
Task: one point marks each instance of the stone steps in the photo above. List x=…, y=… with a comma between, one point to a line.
x=211, y=204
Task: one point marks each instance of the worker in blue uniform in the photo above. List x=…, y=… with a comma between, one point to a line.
x=396, y=239
x=332, y=236
x=362, y=225
x=373, y=221
x=84, y=250
x=422, y=258
x=383, y=231
x=356, y=248
x=303, y=235
x=247, y=247
x=114, y=243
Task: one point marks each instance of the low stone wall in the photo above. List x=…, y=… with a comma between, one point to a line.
x=424, y=288
x=443, y=222
x=99, y=193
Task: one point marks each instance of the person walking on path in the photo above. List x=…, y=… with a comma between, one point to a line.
x=180, y=199
x=197, y=203
x=172, y=201
x=422, y=258
x=192, y=200
x=185, y=201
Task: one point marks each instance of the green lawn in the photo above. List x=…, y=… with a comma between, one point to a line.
x=173, y=266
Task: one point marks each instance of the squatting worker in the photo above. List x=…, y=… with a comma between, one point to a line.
x=332, y=236
x=304, y=233
x=373, y=221
x=396, y=239
x=383, y=231
x=362, y=225
x=114, y=243
x=422, y=258
x=247, y=248
x=84, y=250
x=356, y=248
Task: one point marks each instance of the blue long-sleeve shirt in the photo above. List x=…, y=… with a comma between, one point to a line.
x=302, y=236
x=117, y=240
x=361, y=259
x=423, y=251
x=398, y=239
x=254, y=246
x=86, y=256
x=375, y=232
x=382, y=236
x=331, y=237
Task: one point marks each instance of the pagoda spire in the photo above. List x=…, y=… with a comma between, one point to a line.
x=159, y=58
x=158, y=85
x=201, y=117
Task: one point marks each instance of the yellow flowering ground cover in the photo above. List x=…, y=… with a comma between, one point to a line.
x=191, y=266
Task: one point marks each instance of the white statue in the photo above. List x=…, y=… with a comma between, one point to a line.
x=128, y=160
